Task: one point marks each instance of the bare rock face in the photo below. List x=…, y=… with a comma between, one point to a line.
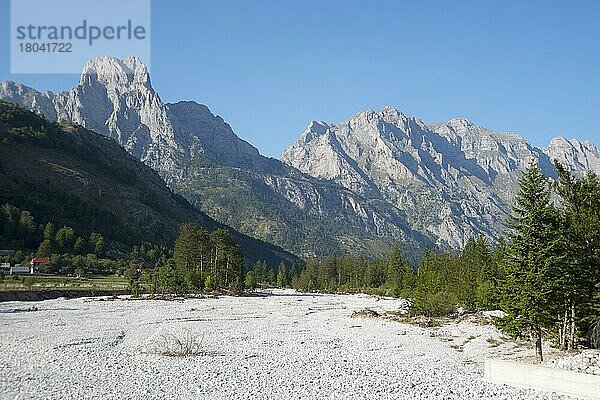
x=200, y=133
x=453, y=180
x=575, y=155
x=41, y=103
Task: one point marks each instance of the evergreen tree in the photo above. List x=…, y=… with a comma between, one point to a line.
x=533, y=257
x=10, y=212
x=235, y=274
x=64, y=238
x=49, y=231
x=189, y=254
x=435, y=292
x=97, y=243
x=250, y=281
x=99, y=246
x=80, y=245
x=208, y=283
x=187, y=250
x=472, y=259
x=282, y=277
x=580, y=211
x=26, y=220
x=45, y=249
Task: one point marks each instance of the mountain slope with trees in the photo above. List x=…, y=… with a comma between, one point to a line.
x=67, y=175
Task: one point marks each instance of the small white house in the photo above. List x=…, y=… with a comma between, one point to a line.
x=5, y=267
x=19, y=269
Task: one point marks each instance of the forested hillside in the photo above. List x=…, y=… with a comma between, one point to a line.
x=69, y=176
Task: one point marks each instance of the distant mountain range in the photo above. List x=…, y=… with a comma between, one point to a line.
x=453, y=180
x=350, y=187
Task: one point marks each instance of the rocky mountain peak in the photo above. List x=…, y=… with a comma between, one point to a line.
x=564, y=143
x=559, y=141
x=575, y=155
x=388, y=113
x=318, y=127
x=29, y=98
x=388, y=124
x=111, y=71
x=314, y=129
x=591, y=146
x=115, y=98
x=392, y=111
x=201, y=133
x=459, y=123
x=394, y=116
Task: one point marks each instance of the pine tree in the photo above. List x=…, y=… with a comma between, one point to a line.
x=208, y=283
x=64, y=237
x=99, y=246
x=45, y=249
x=250, y=281
x=235, y=268
x=395, y=270
x=49, y=231
x=532, y=261
x=186, y=252
x=79, y=245
x=471, y=262
x=435, y=292
x=282, y=279
x=580, y=211
x=10, y=212
x=27, y=221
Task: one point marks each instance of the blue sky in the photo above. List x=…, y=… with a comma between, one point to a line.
x=270, y=67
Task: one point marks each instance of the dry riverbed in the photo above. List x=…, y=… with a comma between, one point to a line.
x=282, y=345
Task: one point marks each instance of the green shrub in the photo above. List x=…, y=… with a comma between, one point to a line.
x=436, y=304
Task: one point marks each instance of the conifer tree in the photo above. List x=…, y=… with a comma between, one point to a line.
x=45, y=249
x=79, y=245
x=580, y=211
x=49, y=231
x=282, y=279
x=250, y=281
x=187, y=247
x=533, y=257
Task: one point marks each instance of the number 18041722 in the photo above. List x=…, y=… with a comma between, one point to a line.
x=50, y=47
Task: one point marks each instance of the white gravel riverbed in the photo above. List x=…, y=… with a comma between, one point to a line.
x=280, y=346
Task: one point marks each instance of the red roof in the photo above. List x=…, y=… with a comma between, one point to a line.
x=40, y=260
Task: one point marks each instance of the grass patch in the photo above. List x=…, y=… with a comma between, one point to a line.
x=14, y=283
x=183, y=344
x=366, y=312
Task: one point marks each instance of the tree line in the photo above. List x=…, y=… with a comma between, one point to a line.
x=440, y=283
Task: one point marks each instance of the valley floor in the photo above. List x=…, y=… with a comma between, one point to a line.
x=282, y=345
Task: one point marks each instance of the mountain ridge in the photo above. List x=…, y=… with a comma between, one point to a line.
x=394, y=178
x=468, y=174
